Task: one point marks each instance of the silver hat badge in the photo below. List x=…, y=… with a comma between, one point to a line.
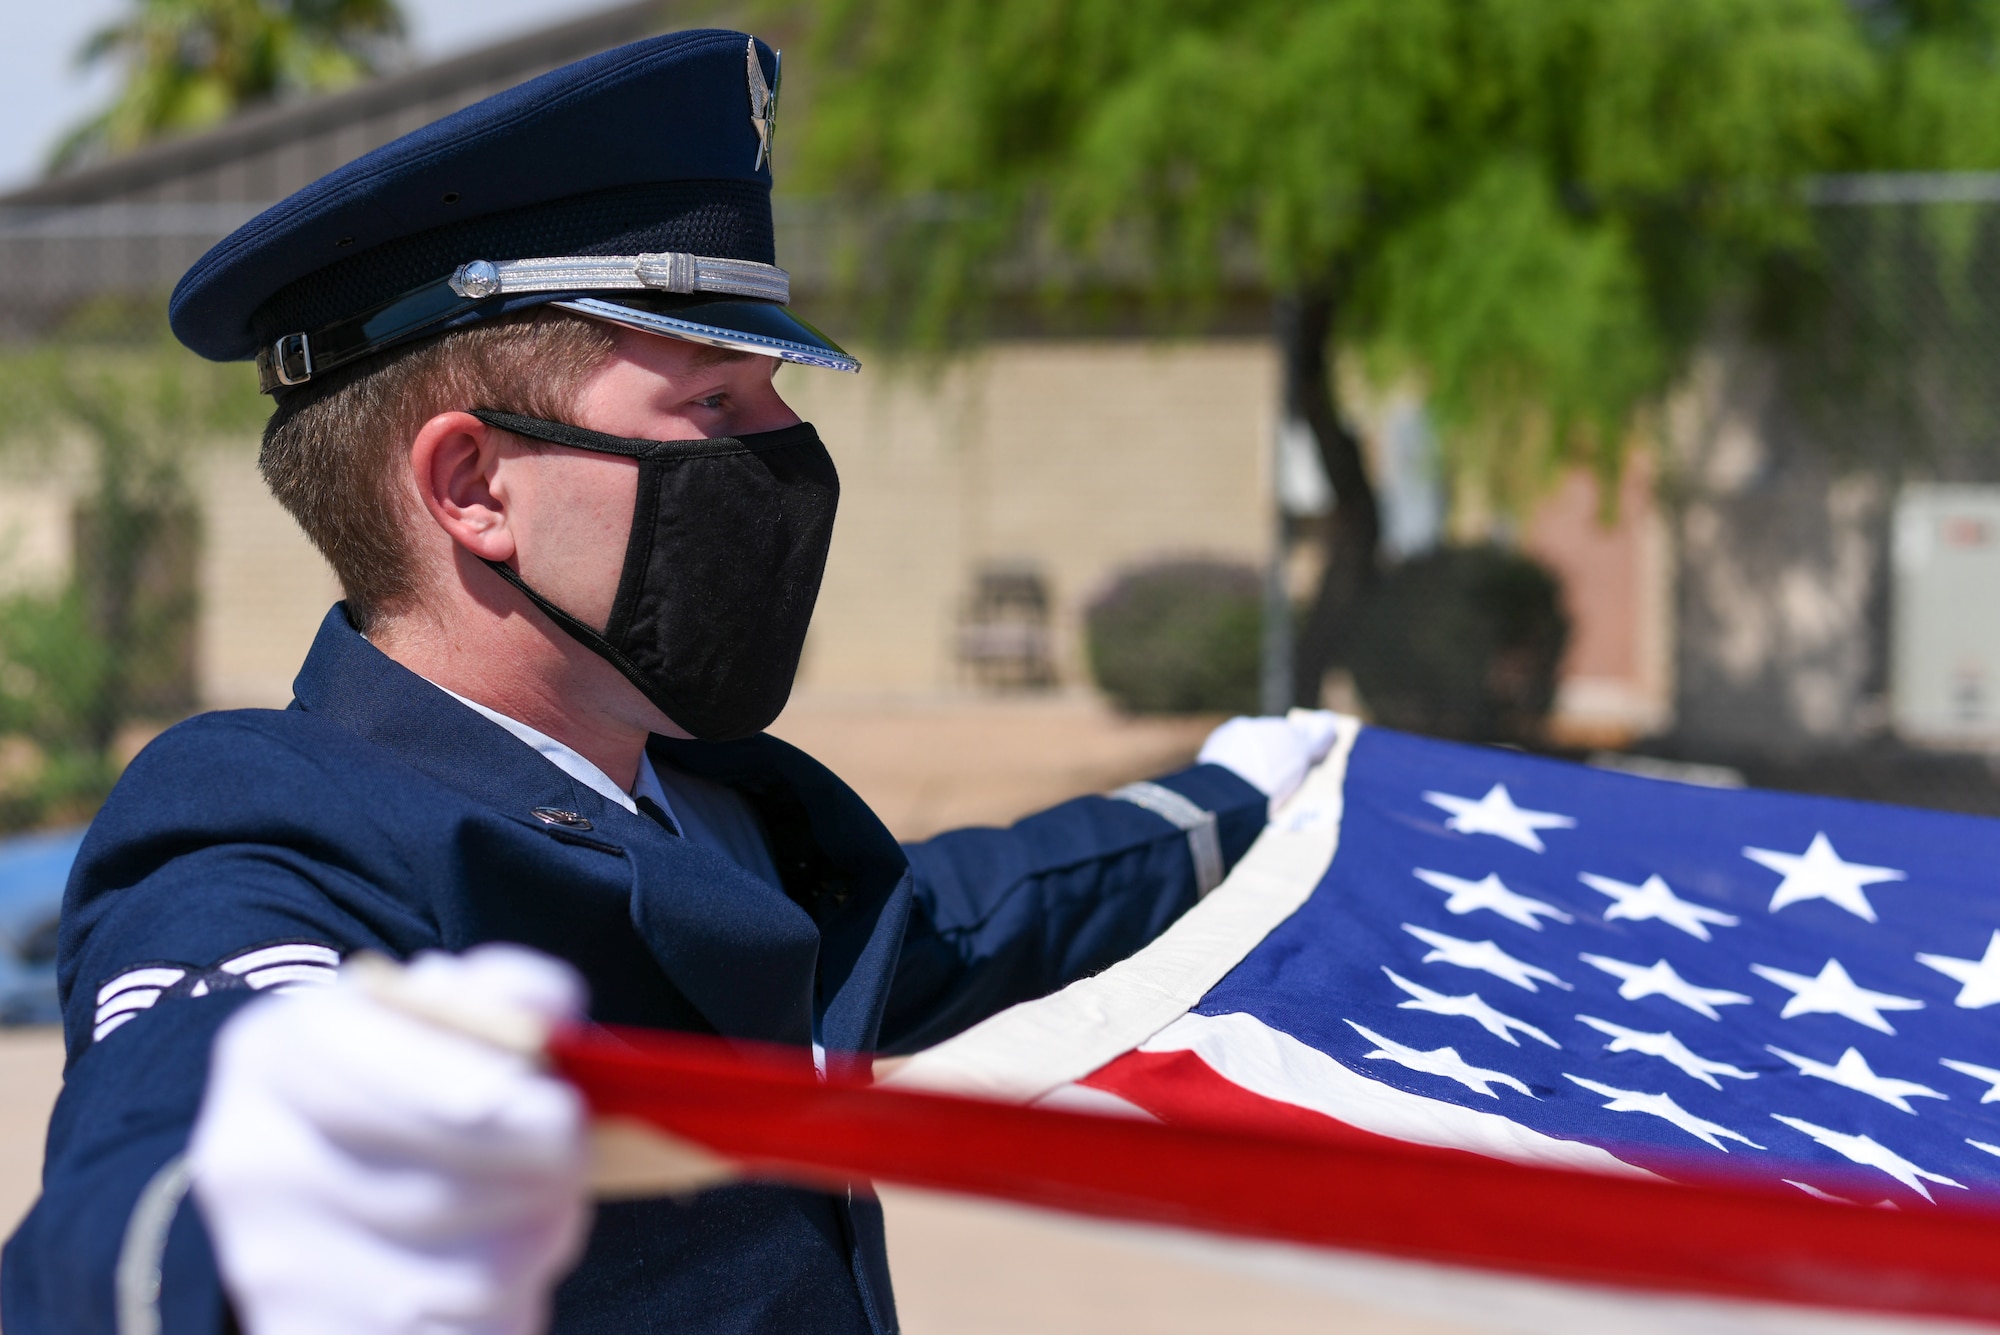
x=764, y=99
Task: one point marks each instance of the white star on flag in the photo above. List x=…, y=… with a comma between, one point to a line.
x=1484, y=956
x=1834, y=993
x=1496, y=814
x=1491, y=893
x=1986, y=1073
x=1871, y=1153
x=1819, y=873
x=1660, y=980
x=1655, y=899
x=1981, y=977
x=1852, y=1070
x=1982, y=1145
x=1668, y=1049
x=1663, y=1107
x=1471, y=1007
x=1441, y=1061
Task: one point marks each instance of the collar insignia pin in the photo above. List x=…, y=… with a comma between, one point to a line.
x=764, y=100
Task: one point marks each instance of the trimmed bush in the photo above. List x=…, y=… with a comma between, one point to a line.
x=1462, y=642
x=1178, y=637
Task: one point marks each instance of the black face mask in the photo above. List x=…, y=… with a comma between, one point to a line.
x=729, y=541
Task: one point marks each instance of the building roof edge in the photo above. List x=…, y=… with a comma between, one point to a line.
x=267, y=127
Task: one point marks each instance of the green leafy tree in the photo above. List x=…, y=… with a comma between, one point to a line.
x=1887, y=339
x=113, y=644
x=1939, y=108
x=190, y=63
x=1528, y=206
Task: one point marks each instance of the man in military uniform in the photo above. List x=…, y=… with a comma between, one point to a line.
x=522, y=361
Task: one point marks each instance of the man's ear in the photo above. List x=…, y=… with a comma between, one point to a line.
x=454, y=462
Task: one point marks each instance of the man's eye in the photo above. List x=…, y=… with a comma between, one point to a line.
x=713, y=402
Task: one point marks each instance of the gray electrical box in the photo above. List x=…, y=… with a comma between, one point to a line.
x=1945, y=641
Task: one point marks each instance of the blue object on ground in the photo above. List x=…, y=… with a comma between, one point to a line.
x=33, y=870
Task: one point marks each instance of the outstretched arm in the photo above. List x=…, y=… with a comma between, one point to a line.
x=1006, y=915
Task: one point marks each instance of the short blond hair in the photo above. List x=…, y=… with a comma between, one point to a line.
x=334, y=452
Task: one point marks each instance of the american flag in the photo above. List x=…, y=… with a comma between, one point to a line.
x=1444, y=978
x=1474, y=948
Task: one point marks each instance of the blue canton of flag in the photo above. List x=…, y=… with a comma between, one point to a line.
x=1534, y=958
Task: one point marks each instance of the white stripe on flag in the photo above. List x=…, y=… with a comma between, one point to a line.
x=1027, y=1050
x=1272, y=1064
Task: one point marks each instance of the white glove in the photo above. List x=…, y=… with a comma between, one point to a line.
x=1272, y=754
x=360, y=1169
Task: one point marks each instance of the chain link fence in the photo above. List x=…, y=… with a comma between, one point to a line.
x=1883, y=352
x=1892, y=349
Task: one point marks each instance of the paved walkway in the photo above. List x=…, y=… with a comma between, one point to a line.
x=966, y=1267
x=927, y=766
x=30, y=1075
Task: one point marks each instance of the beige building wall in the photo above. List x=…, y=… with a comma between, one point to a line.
x=34, y=534
x=1077, y=458
x=263, y=587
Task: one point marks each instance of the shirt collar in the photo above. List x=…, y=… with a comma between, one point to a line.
x=572, y=762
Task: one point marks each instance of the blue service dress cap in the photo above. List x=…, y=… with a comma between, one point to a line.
x=632, y=186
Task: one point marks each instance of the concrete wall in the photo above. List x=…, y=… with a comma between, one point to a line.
x=1078, y=459
x=34, y=534
x=263, y=587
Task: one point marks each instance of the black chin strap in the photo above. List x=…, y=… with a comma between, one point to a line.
x=567, y=433
x=583, y=634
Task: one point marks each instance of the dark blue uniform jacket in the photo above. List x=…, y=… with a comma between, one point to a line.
x=379, y=813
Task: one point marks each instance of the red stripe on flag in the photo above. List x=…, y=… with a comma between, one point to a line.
x=768, y=1112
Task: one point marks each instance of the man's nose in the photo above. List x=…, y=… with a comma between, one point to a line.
x=764, y=409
